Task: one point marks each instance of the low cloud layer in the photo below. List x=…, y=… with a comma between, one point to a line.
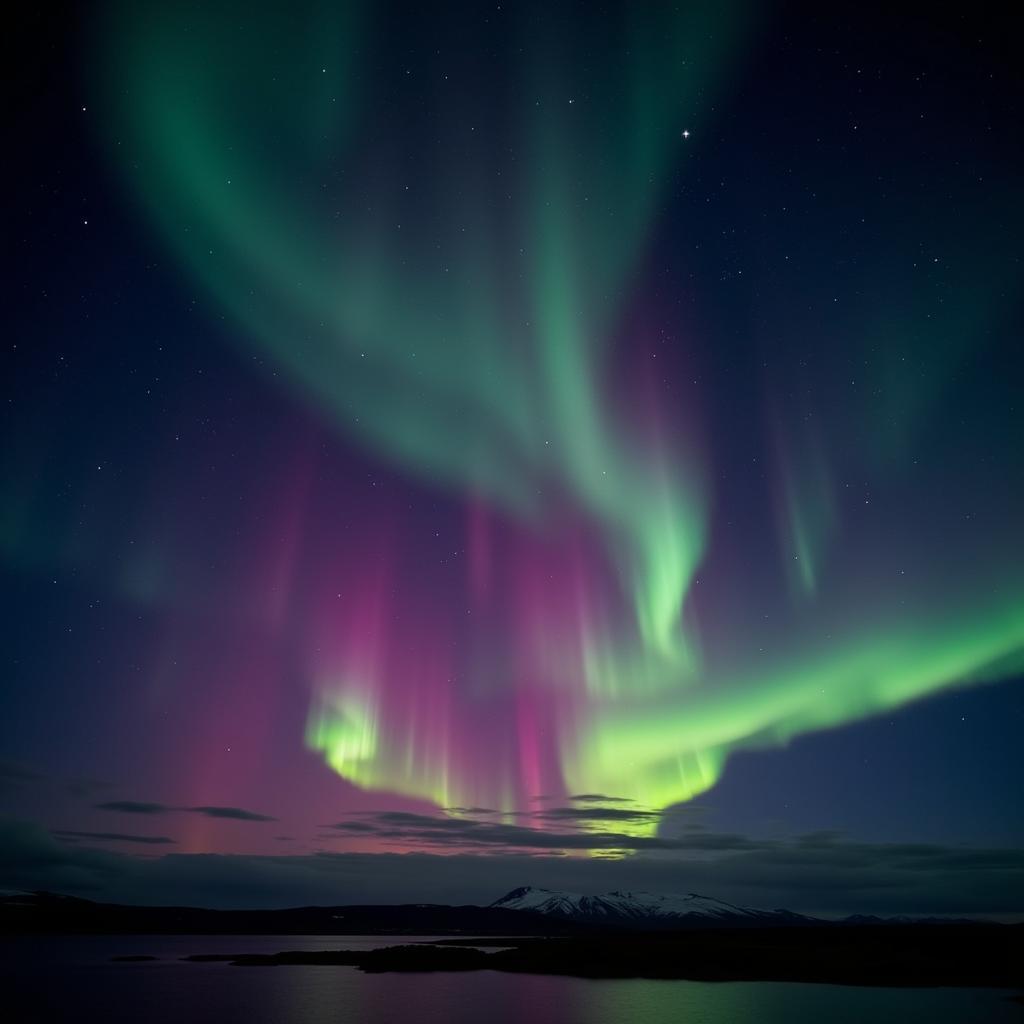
x=116, y=837
x=133, y=807
x=234, y=813
x=821, y=873
x=146, y=807
x=563, y=829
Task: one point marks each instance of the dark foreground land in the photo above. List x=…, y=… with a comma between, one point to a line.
x=926, y=955
x=895, y=954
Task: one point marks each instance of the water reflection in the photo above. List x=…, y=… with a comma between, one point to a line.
x=61, y=980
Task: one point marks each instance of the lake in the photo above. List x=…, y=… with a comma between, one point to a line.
x=53, y=979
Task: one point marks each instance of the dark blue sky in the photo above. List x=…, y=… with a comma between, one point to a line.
x=823, y=305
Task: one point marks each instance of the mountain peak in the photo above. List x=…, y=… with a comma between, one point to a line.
x=516, y=894
x=641, y=909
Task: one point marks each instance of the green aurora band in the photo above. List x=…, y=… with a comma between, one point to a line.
x=459, y=321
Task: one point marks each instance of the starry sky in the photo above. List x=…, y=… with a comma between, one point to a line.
x=452, y=448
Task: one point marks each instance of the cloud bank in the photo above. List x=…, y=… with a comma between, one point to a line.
x=817, y=873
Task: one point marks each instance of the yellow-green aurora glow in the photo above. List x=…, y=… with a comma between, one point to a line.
x=455, y=295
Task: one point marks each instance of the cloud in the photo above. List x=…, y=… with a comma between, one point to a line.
x=234, y=813
x=814, y=874
x=410, y=830
x=588, y=814
x=146, y=807
x=134, y=807
x=600, y=798
x=118, y=837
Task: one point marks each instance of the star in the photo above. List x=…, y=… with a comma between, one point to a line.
x=686, y=133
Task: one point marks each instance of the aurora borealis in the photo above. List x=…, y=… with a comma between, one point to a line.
x=468, y=410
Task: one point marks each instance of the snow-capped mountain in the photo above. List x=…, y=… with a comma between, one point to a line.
x=642, y=908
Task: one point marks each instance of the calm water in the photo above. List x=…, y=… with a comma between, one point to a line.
x=71, y=979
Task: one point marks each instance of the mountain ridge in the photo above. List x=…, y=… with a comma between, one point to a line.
x=526, y=910
x=630, y=907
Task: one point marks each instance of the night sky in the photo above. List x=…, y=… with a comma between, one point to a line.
x=451, y=447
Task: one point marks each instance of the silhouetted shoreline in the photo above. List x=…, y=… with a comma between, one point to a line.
x=905, y=954
x=982, y=956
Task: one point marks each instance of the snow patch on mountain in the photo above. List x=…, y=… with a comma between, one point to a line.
x=639, y=907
